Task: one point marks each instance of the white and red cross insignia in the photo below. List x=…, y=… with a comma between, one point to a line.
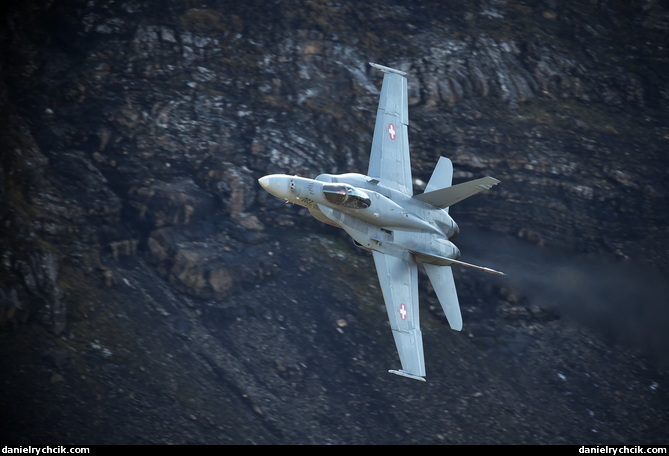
x=392, y=132
x=403, y=312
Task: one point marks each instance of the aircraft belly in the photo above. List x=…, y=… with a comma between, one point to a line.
x=318, y=215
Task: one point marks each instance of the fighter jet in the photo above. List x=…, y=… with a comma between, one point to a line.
x=382, y=215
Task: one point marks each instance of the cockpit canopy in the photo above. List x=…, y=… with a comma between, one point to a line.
x=346, y=195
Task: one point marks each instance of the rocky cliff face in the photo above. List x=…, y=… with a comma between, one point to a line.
x=150, y=292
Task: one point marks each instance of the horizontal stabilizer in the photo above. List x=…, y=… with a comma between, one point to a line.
x=448, y=196
x=428, y=258
x=480, y=268
x=406, y=374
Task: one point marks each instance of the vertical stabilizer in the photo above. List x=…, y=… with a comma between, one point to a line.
x=443, y=283
x=442, y=176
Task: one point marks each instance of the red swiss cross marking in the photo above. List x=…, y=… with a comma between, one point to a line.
x=391, y=131
x=403, y=311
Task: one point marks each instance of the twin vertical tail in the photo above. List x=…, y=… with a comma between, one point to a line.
x=442, y=176
x=441, y=193
x=443, y=283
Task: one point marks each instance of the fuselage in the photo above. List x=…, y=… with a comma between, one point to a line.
x=384, y=217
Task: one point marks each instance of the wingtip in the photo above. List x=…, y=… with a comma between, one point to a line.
x=386, y=69
x=407, y=375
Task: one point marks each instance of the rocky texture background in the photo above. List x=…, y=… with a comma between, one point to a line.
x=150, y=292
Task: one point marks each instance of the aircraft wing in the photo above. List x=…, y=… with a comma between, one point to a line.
x=389, y=159
x=399, y=283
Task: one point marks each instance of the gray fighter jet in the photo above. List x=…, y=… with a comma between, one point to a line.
x=382, y=215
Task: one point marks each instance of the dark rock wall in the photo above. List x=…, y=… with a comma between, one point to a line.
x=136, y=240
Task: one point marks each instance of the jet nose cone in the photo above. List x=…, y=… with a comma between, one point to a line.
x=276, y=184
x=264, y=181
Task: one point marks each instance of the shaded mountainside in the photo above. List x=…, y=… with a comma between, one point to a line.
x=151, y=292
